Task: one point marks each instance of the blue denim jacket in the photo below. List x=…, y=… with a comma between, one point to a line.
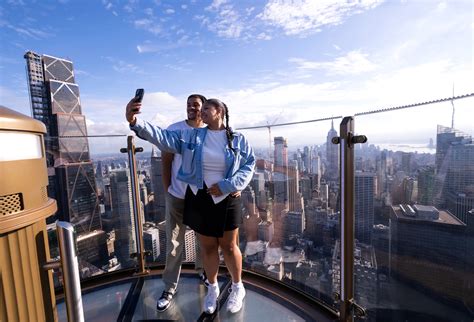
x=239, y=164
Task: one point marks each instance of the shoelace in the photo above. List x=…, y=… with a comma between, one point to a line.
x=233, y=296
x=211, y=298
x=166, y=295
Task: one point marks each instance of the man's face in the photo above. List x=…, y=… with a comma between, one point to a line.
x=194, y=108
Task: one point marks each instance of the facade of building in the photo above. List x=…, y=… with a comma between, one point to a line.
x=55, y=101
x=429, y=249
x=122, y=212
x=332, y=154
x=364, y=206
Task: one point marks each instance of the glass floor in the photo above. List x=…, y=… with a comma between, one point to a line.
x=135, y=300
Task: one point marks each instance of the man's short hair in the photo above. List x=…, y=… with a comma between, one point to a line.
x=201, y=97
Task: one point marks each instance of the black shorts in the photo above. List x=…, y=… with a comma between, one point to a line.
x=209, y=219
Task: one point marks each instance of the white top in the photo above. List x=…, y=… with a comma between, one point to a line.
x=177, y=187
x=213, y=160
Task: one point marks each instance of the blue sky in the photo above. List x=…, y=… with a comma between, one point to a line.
x=270, y=61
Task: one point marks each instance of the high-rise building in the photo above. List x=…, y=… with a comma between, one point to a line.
x=280, y=176
x=281, y=151
x=157, y=185
x=445, y=139
x=265, y=231
x=294, y=223
x=364, y=205
x=295, y=199
x=426, y=185
x=429, y=250
x=189, y=253
x=332, y=154
x=55, y=101
x=122, y=212
x=455, y=171
x=151, y=241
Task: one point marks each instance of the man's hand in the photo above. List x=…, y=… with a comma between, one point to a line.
x=132, y=109
x=214, y=190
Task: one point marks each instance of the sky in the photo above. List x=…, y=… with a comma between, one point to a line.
x=270, y=61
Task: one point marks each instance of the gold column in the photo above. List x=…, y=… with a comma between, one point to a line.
x=26, y=289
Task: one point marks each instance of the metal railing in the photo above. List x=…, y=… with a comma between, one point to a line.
x=70, y=270
x=348, y=307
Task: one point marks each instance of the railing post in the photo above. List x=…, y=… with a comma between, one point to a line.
x=346, y=140
x=70, y=269
x=137, y=213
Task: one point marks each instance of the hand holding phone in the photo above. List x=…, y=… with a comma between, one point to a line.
x=138, y=96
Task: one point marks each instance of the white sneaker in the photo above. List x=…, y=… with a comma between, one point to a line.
x=210, y=301
x=234, y=303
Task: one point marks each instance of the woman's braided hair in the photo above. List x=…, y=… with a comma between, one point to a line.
x=223, y=107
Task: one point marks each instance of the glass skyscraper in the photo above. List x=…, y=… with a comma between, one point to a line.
x=55, y=101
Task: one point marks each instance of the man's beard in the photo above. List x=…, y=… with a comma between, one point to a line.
x=192, y=116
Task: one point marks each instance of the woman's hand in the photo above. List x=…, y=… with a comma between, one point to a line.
x=235, y=194
x=132, y=109
x=214, y=190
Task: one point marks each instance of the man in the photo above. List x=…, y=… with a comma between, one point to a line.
x=175, y=229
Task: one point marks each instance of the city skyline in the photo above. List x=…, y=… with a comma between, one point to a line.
x=330, y=59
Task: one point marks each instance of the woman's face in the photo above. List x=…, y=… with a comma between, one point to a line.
x=210, y=114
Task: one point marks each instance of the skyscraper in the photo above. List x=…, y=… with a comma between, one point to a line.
x=332, y=153
x=455, y=171
x=364, y=206
x=55, y=101
x=122, y=212
x=157, y=185
x=280, y=175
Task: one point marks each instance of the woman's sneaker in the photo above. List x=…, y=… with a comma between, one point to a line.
x=164, y=301
x=210, y=301
x=237, y=294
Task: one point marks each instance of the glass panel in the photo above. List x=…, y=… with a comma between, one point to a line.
x=100, y=305
x=64, y=97
x=186, y=306
x=71, y=149
x=95, y=196
x=290, y=229
x=58, y=69
x=414, y=221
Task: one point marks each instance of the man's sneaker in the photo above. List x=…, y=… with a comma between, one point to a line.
x=234, y=303
x=210, y=301
x=164, y=301
x=203, y=278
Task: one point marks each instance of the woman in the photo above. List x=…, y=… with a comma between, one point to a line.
x=216, y=163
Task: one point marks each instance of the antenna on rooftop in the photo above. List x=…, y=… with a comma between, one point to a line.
x=452, y=104
x=269, y=127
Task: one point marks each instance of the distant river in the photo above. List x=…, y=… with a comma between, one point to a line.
x=407, y=147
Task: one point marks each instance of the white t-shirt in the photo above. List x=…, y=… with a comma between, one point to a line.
x=213, y=160
x=177, y=187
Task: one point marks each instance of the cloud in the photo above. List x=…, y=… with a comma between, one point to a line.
x=35, y=33
x=307, y=16
x=264, y=102
x=354, y=62
x=124, y=67
x=169, y=11
x=227, y=22
x=148, y=25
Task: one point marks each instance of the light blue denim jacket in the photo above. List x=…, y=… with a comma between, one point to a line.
x=239, y=165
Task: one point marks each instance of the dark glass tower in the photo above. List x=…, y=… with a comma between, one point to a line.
x=55, y=101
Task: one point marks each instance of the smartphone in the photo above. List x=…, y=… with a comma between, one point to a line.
x=139, y=96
